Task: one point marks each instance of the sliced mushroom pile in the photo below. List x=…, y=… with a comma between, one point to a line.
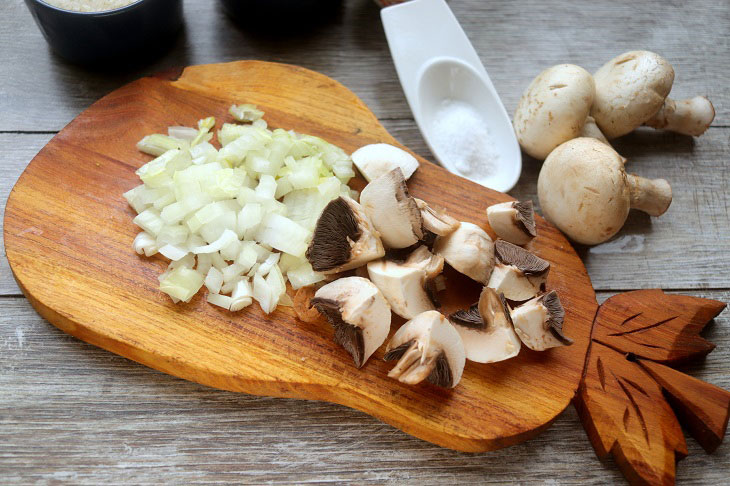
x=399, y=245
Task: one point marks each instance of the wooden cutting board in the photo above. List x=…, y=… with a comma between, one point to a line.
x=68, y=237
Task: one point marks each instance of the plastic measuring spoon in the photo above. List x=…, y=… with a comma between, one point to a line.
x=439, y=69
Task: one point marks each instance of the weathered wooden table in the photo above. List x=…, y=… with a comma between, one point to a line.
x=72, y=413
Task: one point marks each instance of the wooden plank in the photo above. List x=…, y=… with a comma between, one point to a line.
x=515, y=41
x=72, y=413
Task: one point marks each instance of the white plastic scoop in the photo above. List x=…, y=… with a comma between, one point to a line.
x=450, y=94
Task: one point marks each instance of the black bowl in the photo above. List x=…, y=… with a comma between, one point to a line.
x=89, y=37
x=281, y=17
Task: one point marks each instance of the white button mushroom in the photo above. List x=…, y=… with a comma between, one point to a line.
x=344, y=238
x=408, y=286
x=539, y=322
x=486, y=329
x=427, y=347
x=435, y=219
x=553, y=109
x=392, y=210
x=376, y=159
x=632, y=89
x=518, y=274
x=585, y=191
x=513, y=221
x=359, y=314
x=469, y=250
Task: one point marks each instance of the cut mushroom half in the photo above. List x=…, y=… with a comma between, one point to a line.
x=427, y=348
x=513, y=221
x=469, y=250
x=377, y=159
x=539, y=322
x=359, y=314
x=518, y=274
x=435, y=219
x=344, y=238
x=486, y=329
x=392, y=210
x=408, y=286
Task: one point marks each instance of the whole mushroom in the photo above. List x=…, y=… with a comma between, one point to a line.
x=632, y=89
x=554, y=109
x=585, y=191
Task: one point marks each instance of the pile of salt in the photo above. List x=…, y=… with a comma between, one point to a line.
x=461, y=138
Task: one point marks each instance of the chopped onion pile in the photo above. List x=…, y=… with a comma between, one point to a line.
x=236, y=220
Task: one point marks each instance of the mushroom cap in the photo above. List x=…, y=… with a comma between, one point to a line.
x=376, y=159
x=392, y=210
x=469, y=250
x=358, y=312
x=539, y=323
x=343, y=239
x=583, y=190
x=630, y=88
x=553, y=108
x=432, y=335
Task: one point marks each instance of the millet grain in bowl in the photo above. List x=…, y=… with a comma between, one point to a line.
x=89, y=5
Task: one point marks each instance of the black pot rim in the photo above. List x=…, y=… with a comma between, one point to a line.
x=101, y=13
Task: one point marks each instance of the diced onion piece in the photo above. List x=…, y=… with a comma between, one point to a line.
x=182, y=133
x=173, y=252
x=157, y=144
x=144, y=243
x=262, y=293
x=150, y=221
x=232, y=271
x=303, y=275
x=283, y=234
x=226, y=238
x=182, y=283
x=219, y=300
x=214, y=280
x=245, y=112
x=267, y=264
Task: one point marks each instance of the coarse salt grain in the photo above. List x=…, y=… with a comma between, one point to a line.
x=462, y=140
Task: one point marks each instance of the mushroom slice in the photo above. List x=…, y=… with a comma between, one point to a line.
x=518, y=274
x=513, y=221
x=469, y=250
x=358, y=312
x=408, y=286
x=435, y=219
x=539, y=322
x=376, y=159
x=486, y=329
x=427, y=347
x=343, y=239
x=392, y=210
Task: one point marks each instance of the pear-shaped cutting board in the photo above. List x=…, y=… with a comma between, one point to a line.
x=68, y=236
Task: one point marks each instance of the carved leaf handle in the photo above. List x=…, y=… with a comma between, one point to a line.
x=630, y=404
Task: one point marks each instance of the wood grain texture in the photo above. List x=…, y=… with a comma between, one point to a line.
x=68, y=234
x=621, y=401
x=73, y=413
x=513, y=46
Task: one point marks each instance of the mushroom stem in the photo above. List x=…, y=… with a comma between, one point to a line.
x=653, y=196
x=590, y=129
x=688, y=117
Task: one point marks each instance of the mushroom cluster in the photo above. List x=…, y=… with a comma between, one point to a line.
x=567, y=116
x=399, y=245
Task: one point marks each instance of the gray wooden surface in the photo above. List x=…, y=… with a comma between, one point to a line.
x=71, y=413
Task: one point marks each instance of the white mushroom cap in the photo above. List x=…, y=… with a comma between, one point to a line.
x=630, y=88
x=539, y=322
x=344, y=238
x=518, y=274
x=513, y=221
x=486, y=329
x=553, y=109
x=427, y=347
x=358, y=312
x=376, y=159
x=469, y=250
x=392, y=210
x=584, y=190
x=406, y=285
